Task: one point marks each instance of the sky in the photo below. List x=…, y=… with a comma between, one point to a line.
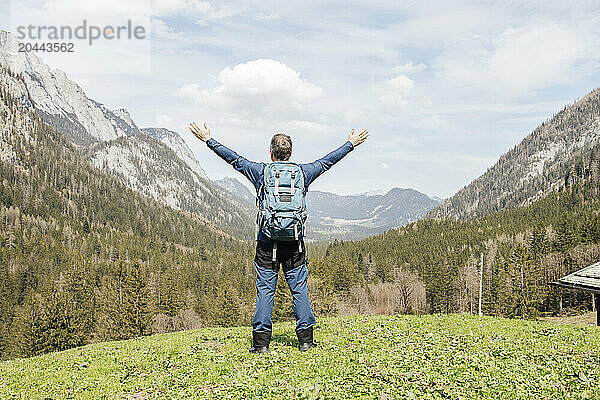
x=444, y=87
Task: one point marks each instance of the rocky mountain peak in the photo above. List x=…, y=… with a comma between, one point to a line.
x=61, y=102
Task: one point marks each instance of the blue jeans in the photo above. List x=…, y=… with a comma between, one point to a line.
x=266, y=283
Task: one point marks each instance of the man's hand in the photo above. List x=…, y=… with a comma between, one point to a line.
x=202, y=134
x=358, y=138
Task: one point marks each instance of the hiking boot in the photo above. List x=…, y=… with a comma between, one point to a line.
x=305, y=337
x=260, y=342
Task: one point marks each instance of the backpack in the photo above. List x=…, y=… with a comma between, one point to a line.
x=281, y=203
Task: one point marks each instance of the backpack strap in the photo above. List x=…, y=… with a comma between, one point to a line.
x=296, y=237
x=293, y=182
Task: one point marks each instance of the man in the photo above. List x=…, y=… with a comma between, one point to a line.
x=269, y=253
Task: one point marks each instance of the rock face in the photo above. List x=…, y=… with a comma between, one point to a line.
x=154, y=161
x=142, y=163
x=153, y=169
x=176, y=143
x=236, y=188
x=12, y=123
x=61, y=102
x=535, y=167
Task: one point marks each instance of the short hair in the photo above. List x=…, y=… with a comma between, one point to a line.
x=281, y=147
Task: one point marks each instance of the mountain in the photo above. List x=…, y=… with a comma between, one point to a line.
x=539, y=165
x=356, y=216
x=332, y=216
x=61, y=102
x=151, y=166
x=235, y=187
x=176, y=143
x=153, y=169
x=154, y=161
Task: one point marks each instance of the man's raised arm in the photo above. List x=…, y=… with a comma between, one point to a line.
x=250, y=169
x=316, y=168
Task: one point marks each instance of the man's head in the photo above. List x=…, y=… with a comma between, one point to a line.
x=281, y=147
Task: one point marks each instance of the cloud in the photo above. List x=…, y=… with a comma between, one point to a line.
x=384, y=165
x=396, y=91
x=434, y=122
x=260, y=88
x=522, y=60
x=442, y=159
x=409, y=68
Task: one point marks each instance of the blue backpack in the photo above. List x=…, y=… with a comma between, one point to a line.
x=281, y=203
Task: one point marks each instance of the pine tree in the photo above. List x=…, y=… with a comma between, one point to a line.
x=137, y=319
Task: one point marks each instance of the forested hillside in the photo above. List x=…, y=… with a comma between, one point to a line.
x=535, y=167
x=435, y=262
x=84, y=258
x=154, y=170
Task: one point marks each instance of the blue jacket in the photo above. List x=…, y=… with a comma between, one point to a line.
x=254, y=171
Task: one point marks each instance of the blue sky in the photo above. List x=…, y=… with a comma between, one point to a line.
x=444, y=87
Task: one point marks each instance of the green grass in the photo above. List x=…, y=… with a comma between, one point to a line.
x=370, y=357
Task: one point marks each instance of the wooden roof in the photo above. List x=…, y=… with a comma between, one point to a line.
x=587, y=279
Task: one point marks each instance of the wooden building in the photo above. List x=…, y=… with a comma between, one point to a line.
x=586, y=279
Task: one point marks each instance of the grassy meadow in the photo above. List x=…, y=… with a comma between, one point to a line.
x=365, y=357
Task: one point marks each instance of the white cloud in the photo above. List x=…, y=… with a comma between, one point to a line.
x=384, y=165
x=409, y=68
x=260, y=88
x=522, y=60
x=396, y=91
x=434, y=122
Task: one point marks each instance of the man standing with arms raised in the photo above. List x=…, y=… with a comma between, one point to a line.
x=281, y=189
